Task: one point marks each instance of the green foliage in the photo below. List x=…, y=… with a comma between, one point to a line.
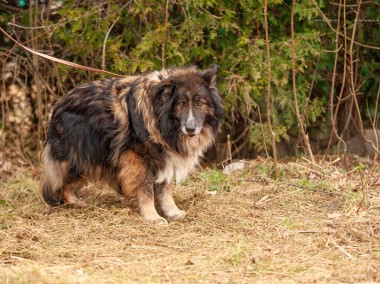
x=214, y=180
x=204, y=32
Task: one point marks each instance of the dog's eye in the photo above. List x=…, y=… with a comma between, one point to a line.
x=201, y=103
x=180, y=104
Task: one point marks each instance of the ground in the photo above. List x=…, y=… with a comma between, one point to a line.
x=314, y=223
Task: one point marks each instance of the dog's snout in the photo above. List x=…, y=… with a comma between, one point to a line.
x=190, y=127
x=192, y=123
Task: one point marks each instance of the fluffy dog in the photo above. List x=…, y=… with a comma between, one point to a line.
x=136, y=133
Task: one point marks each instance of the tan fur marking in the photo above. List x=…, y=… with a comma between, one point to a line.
x=128, y=80
x=143, y=91
x=132, y=179
x=118, y=141
x=132, y=173
x=54, y=171
x=120, y=111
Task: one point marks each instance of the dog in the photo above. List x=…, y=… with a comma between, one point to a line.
x=135, y=133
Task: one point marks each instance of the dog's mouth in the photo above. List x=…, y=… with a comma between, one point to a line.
x=191, y=132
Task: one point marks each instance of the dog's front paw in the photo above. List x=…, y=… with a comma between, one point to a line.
x=175, y=214
x=158, y=220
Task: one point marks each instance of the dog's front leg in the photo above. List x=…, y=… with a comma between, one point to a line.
x=165, y=199
x=145, y=197
x=136, y=181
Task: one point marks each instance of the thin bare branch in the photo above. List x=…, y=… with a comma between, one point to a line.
x=165, y=35
x=333, y=115
x=72, y=64
x=105, y=43
x=305, y=138
x=273, y=135
x=262, y=132
x=375, y=122
x=352, y=83
x=334, y=30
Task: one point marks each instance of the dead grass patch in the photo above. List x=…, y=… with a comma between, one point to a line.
x=314, y=224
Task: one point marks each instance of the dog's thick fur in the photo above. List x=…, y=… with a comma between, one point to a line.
x=135, y=133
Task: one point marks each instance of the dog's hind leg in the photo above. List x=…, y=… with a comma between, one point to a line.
x=137, y=182
x=164, y=197
x=54, y=174
x=57, y=186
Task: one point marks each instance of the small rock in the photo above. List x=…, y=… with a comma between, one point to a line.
x=229, y=169
x=211, y=192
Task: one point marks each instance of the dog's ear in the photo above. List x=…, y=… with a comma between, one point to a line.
x=164, y=90
x=209, y=75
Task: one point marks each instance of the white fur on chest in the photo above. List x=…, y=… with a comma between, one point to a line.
x=177, y=166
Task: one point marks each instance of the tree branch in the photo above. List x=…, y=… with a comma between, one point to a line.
x=305, y=138
x=273, y=135
x=165, y=35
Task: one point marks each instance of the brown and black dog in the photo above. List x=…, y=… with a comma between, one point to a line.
x=135, y=133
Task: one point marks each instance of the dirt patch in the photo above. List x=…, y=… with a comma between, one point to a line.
x=314, y=224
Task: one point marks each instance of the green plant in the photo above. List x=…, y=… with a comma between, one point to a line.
x=214, y=180
x=202, y=32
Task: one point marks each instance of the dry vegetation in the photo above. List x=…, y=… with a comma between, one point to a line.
x=314, y=224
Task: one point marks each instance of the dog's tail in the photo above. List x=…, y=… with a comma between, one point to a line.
x=52, y=183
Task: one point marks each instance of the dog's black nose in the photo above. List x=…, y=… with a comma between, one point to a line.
x=190, y=126
x=190, y=130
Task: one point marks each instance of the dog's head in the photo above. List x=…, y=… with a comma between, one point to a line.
x=193, y=102
x=188, y=102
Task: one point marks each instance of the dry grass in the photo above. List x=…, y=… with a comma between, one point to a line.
x=315, y=224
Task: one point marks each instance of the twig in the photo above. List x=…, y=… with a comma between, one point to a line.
x=315, y=164
x=165, y=35
x=331, y=27
x=265, y=198
x=355, y=5
x=33, y=19
x=262, y=133
x=105, y=42
x=305, y=138
x=309, y=232
x=334, y=116
x=306, y=168
x=375, y=121
x=229, y=146
x=273, y=135
x=353, y=89
x=71, y=64
x=63, y=21
x=342, y=249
